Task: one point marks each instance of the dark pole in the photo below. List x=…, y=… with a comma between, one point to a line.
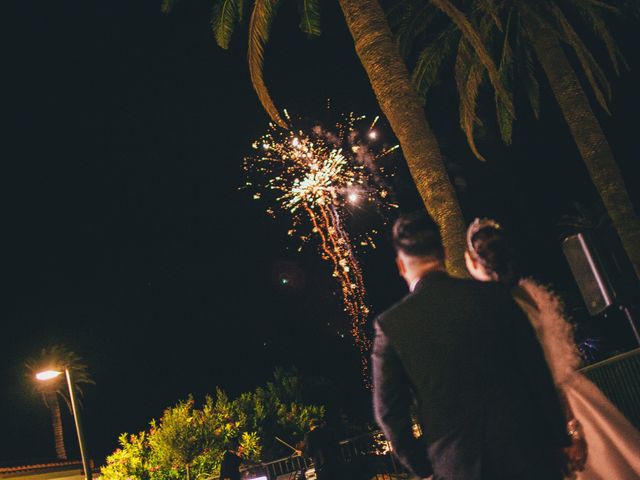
x=76, y=418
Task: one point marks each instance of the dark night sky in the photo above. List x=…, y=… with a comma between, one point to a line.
x=126, y=237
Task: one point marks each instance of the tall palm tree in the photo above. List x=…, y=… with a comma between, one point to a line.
x=517, y=32
x=57, y=357
x=391, y=83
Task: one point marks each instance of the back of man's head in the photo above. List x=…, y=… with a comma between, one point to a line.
x=417, y=235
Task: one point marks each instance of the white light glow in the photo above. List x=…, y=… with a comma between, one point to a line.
x=48, y=374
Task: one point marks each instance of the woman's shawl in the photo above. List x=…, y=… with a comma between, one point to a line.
x=546, y=313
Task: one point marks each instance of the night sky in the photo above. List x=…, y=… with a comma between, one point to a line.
x=127, y=239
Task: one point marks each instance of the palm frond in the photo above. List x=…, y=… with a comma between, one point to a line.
x=478, y=44
x=166, y=6
x=590, y=67
x=399, y=12
x=59, y=358
x=224, y=16
x=259, y=26
x=309, y=11
x=530, y=80
x=593, y=19
x=469, y=75
x=505, y=70
x=418, y=19
x=608, y=6
x=490, y=8
x=432, y=57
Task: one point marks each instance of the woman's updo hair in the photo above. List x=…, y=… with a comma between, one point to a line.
x=488, y=244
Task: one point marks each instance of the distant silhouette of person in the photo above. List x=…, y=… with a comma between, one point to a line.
x=231, y=461
x=322, y=446
x=466, y=352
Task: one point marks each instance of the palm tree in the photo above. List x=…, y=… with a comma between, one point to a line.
x=520, y=31
x=402, y=106
x=391, y=83
x=57, y=358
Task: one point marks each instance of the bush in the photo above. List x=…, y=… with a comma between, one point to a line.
x=188, y=442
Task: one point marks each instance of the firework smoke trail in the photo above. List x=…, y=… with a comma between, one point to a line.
x=319, y=177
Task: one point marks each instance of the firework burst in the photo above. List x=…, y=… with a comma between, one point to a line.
x=322, y=178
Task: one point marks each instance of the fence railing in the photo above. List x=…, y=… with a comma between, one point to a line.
x=619, y=379
x=364, y=457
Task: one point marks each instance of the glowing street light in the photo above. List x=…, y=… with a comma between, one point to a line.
x=47, y=375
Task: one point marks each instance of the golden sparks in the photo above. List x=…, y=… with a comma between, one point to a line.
x=321, y=177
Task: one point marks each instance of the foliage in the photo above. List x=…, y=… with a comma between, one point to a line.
x=182, y=439
x=278, y=410
x=132, y=460
x=488, y=39
x=188, y=442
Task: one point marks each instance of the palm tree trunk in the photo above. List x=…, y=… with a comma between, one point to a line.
x=380, y=57
x=589, y=138
x=56, y=422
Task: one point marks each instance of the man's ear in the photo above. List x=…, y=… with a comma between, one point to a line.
x=469, y=262
x=401, y=267
x=472, y=266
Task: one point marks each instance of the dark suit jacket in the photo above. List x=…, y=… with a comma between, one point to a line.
x=468, y=356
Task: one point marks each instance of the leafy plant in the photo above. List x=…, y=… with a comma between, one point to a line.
x=189, y=442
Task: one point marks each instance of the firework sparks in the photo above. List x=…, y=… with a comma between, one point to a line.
x=320, y=177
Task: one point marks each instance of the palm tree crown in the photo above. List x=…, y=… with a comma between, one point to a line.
x=478, y=36
x=516, y=32
x=57, y=358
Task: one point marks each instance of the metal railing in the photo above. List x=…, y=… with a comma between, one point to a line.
x=619, y=379
x=363, y=457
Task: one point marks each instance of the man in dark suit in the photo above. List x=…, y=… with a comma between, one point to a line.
x=469, y=358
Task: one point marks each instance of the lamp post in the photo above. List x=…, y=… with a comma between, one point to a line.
x=51, y=374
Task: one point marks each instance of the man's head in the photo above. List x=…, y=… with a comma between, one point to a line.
x=418, y=245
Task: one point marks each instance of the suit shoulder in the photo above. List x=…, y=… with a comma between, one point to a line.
x=393, y=312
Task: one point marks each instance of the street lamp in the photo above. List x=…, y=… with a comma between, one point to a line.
x=51, y=374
